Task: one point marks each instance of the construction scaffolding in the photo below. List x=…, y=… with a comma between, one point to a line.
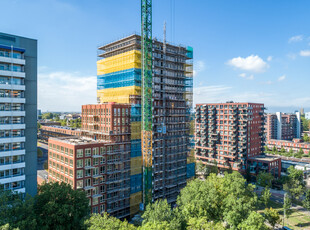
x=171, y=103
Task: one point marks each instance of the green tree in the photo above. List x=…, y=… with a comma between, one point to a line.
x=201, y=169
x=47, y=116
x=274, y=149
x=295, y=185
x=265, y=196
x=15, y=211
x=56, y=117
x=158, y=211
x=282, y=150
x=306, y=138
x=266, y=148
x=106, y=222
x=203, y=223
x=264, y=179
x=306, y=201
x=63, y=122
x=58, y=206
x=255, y=221
x=291, y=152
x=305, y=123
x=272, y=216
x=7, y=227
x=227, y=198
x=287, y=204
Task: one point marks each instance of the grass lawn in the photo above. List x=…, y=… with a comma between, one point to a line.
x=297, y=220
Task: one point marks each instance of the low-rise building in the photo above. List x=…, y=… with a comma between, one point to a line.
x=265, y=163
x=295, y=145
x=100, y=168
x=99, y=161
x=47, y=131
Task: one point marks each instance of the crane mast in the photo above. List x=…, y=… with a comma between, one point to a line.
x=147, y=63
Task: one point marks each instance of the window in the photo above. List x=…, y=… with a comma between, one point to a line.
x=87, y=182
x=71, y=173
x=87, y=152
x=102, y=150
x=79, y=184
x=79, y=153
x=95, y=201
x=79, y=163
x=87, y=162
x=87, y=172
x=79, y=173
x=96, y=151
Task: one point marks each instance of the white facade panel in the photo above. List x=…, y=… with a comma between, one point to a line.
x=14, y=87
x=12, y=113
x=12, y=126
x=12, y=140
x=12, y=179
x=12, y=166
x=13, y=60
x=12, y=73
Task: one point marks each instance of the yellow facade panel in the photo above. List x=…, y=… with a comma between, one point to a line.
x=127, y=60
x=135, y=128
x=118, y=95
x=135, y=165
x=135, y=200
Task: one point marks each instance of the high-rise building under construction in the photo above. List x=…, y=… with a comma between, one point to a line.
x=119, y=80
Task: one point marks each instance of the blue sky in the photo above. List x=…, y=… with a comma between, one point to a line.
x=256, y=51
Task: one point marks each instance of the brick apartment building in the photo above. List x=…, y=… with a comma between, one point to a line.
x=99, y=161
x=229, y=134
x=281, y=126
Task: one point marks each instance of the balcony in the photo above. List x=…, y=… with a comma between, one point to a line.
x=8, y=73
x=89, y=187
x=5, y=85
x=10, y=60
x=12, y=139
x=12, y=113
x=12, y=178
x=12, y=166
x=12, y=152
x=13, y=100
x=12, y=126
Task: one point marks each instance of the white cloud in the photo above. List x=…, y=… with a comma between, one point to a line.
x=266, y=83
x=250, y=63
x=269, y=58
x=305, y=53
x=199, y=66
x=223, y=93
x=251, y=77
x=291, y=56
x=245, y=76
x=297, y=38
x=63, y=91
x=282, y=78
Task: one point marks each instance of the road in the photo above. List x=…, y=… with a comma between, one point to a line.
x=40, y=162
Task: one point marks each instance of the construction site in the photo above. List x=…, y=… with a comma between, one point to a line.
x=154, y=80
x=120, y=80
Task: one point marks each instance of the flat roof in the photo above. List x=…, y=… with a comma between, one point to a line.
x=264, y=158
x=62, y=127
x=74, y=140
